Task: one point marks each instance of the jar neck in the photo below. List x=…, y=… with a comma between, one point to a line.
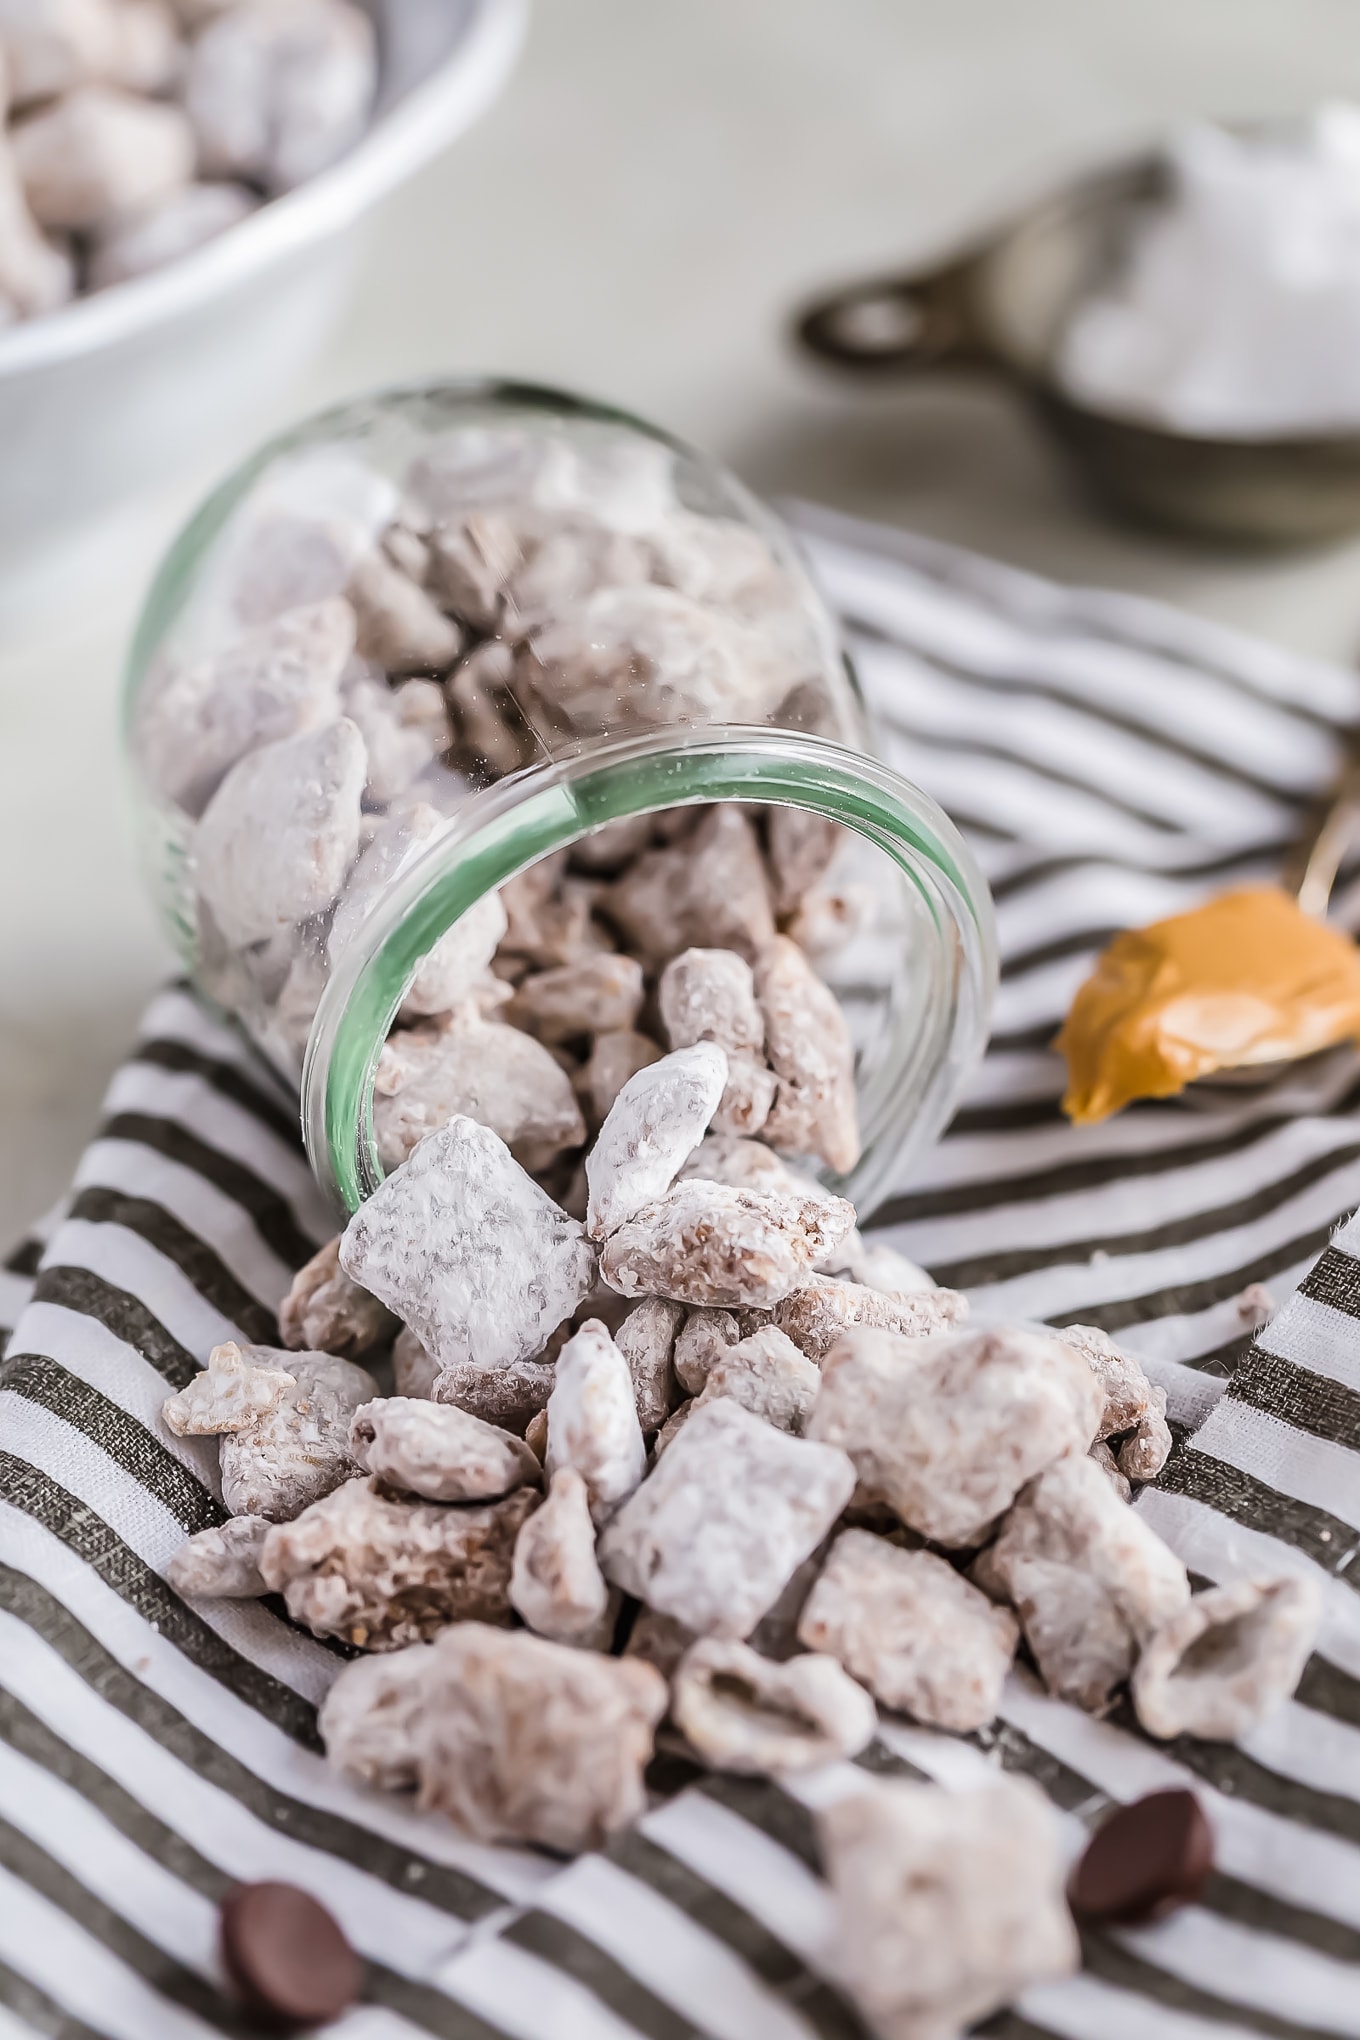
x=499, y=832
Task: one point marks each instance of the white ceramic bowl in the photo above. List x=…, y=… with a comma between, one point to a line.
x=121, y=389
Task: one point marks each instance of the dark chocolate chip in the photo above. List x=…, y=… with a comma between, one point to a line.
x=287, y=1956
x=1144, y=1861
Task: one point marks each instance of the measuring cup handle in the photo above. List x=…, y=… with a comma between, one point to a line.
x=898, y=323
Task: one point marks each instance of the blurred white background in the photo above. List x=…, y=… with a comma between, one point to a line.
x=660, y=184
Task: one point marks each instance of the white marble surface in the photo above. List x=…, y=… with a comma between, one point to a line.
x=660, y=183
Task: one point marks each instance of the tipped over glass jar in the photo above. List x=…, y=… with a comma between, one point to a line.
x=460, y=716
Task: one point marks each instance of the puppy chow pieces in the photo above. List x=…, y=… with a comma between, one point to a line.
x=809, y=1049
x=556, y=1586
x=745, y=1103
x=147, y=56
x=275, y=94
x=741, y=1712
x=354, y=607
x=800, y=847
x=876, y=1265
x=1225, y=1659
x=370, y=1719
x=1100, y=1455
x=703, y=1243
x=1135, y=1408
x=912, y=1630
x=624, y=485
x=592, y=1419
x=1090, y=1581
x=822, y=1310
x=37, y=272
x=237, y=1387
x=553, y=923
x=278, y=680
x=605, y=850
x=382, y=1572
x=525, y=1740
x=281, y=832
x=949, y=1903
x=325, y=1312
x=646, y=1339
x=284, y=1430
x=598, y=994
x=297, y=1451
x=413, y=1371
x=1128, y=1392
x=717, y=1529
x=438, y=1451
x=747, y=1164
x=703, y=1338
x=465, y=1066
x=405, y=727
x=615, y=1055
x=224, y=1560
x=456, y=973
x=51, y=46
x=767, y=1375
x=709, y=995
x=709, y=891
x=559, y=568
x=658, y=1640
x=947, y=1429
x=482, y=465
x=644, y=657
x=828, y=921
x=469, y=564
x=1145, y=1451
x=98, y=153
x=671, y=1429
x=463, y=1245
x=776, y=1634
x=510, y=1397
x=399, y=627
x=163, y=233
x=771, y=1620
x=657, y=1120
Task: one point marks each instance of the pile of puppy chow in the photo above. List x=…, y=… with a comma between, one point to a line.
x=671, y=1448
x=684, y=1465
x=133, y=131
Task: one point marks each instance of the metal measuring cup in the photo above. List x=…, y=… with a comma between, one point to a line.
x=1001, y=306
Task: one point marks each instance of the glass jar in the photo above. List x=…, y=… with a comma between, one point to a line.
x=441, y=634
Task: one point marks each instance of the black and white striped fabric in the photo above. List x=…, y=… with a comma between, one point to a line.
x=1112, y=762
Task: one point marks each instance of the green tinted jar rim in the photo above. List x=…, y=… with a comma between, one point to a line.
x=513, y=824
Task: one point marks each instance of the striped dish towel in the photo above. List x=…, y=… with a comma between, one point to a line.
x=1112, y=762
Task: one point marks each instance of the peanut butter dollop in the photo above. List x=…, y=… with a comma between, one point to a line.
x=1248, y=978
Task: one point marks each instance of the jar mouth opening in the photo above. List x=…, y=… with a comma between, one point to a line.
x=504, y=829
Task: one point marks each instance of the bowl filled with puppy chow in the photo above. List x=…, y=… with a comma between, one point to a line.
x=183, y=189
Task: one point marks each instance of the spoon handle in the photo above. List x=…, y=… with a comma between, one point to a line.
x=1317, y=857
x=923, y=320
